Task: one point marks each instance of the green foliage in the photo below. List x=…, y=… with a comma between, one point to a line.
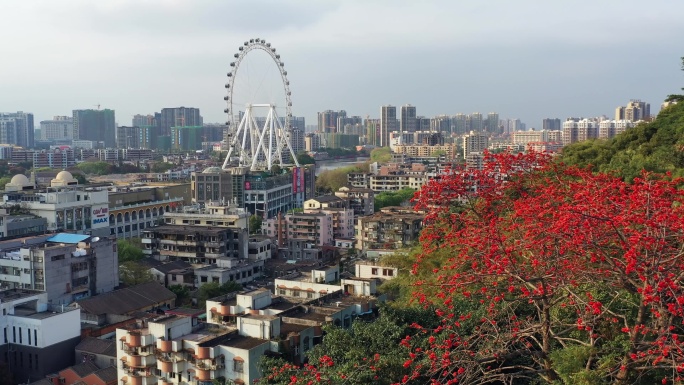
x=255, y=223
x=213, y=289
x=81, y=178
x=129, y=250
x=4, y=180
x=182, y=293
x=134, y=273
x=304, y=158
x=656, y=146
x=96, y=168
x=331, y=180
x=393, y=198
x=161, y=167
x=381, y=155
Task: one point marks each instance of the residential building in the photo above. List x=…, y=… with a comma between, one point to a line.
x=360, y=200
x=388, y=124
x=59, y=158
x=374, y=269
x=149, y=296
x=491, y=125
x=39, y=338
x=409, y=122
x=167, y=349
x=373, y=131
x=178, y=117
x=95, y=125
x=610, y=128
x=15, y=224
x=82, y=373
x=212, y=214
x=391, y=228
x=339, y=140
x=17, y=128
x=634, y=111
x=328, y=119
x=239, y=270
x=551, y=124
x=99, y=351
x=194, y=244
x=476, y=122
x=441, y=123
x=66, y=266
x=59, y=128
x=449, y=151
x=342, y=216
x=577, y=130
x=312, y=142
x=474, y=142
x=460, y=124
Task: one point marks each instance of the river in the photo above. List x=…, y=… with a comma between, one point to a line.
x=323, y=165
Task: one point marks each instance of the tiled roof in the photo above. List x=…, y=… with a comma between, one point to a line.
x=166, y=268
x=83, y=369
x=94, y=345
x=128, y=300
x=107, y=374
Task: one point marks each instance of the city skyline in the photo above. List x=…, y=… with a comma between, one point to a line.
x=470, y=58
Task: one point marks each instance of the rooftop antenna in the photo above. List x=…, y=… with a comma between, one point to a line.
x=97, y=105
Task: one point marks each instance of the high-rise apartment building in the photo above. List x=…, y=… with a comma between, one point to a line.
x=634, y=111
x=459, y=124
x=408, y=121
x=178, y=117
x=474, y=142
x=17, y=128
x=551, y=124
x=492, y=123
x=440, y=123
x=388, y=123
x=328, y=120
x=372, y=131
x=476, y=122
x=59, y=128
x=96, y=126
x=577, y=130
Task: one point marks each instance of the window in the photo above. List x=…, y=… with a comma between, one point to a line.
x=388, y=272
x=307, y=343
x=374, y=271
x=57, y=257
x=280, y=291
x=203, y=279
x=238, y=365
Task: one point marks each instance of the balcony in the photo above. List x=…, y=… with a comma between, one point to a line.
x=203, y=374
x=137, y=361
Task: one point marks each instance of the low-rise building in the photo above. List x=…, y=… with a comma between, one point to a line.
x=391, y=228
x=14, y=225
x=226, y=270
x=368, y=269
x=39, y=338
x=99, y=351
x=194, y=244
x=361, y=200
x=67, y=267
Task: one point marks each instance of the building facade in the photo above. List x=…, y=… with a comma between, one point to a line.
x=17, y=128
x=95, y=125
x=68, y=267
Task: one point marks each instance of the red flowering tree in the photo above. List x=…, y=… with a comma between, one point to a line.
x=542, y=272
x=568, y=265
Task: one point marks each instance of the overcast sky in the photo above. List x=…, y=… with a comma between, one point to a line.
x=524, y=59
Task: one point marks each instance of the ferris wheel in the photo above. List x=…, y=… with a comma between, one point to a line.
x=259, y=109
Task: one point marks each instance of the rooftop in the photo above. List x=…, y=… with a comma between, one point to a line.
x=125, y=301
x=97, y=346
x=68, y=238
x=170, y=229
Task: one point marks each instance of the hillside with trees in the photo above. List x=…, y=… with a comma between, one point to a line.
x=656, y=146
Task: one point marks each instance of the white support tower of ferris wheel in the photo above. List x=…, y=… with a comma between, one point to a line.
x=258, y=137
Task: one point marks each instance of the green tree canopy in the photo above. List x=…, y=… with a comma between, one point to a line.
x=255, y=223
x=393, y=198
x=134, y=273
x=129, y=250
x=381, y=155
x=304, y=158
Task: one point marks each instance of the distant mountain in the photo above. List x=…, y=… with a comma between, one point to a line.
x=656, y=146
